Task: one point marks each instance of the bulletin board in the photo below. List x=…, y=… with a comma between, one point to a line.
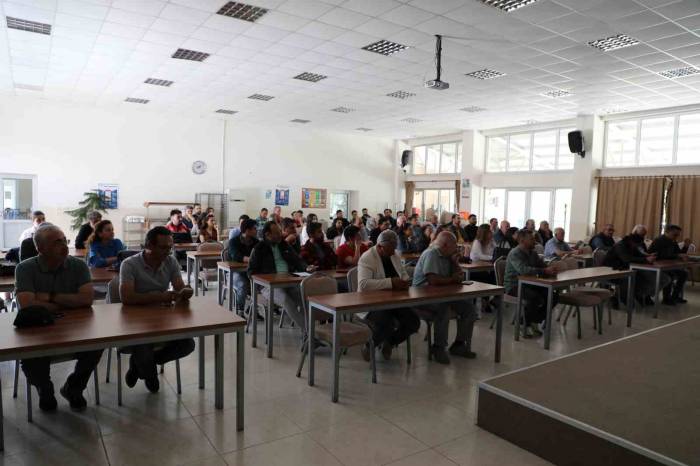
x=314, y=198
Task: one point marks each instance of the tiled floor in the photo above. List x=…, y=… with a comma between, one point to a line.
x=422, y=414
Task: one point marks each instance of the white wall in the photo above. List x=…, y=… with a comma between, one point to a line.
x=72, y=148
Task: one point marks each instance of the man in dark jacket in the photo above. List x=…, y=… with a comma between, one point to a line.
x=87, y=229
x=628, y=251
x=666, y=248
x=604, y=239
x=240, y=248
x=316, y=252
x=470, y=229
x=272, y=255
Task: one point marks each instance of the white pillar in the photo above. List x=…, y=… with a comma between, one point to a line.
x=472, y=170
x=584, y=183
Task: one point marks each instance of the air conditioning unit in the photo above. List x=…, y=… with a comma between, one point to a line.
x=237, y=206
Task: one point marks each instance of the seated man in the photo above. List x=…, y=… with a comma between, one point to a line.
x=604, y=239
x=176, y=225
x=557, y=247
x=272, y=255
x=316, y=252
x=383, y=224
x=262, y=220
x=235, y=231
x=144, y=279
x=455, y=227
x=239, y=250
x=56, y=281
x=290, y=235
x=523, y=260
x=87, y=228
x=392, y=220
x=470, y=229
x=38, y=218
x=352, y=249
x=188, y=218
x=439, y=266
x=381, y=269
x=500, y=234
x=666, y=248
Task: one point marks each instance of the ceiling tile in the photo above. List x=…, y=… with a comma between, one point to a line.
x=437, y=7
x=79, y=8
x=172, y=27
x=371, y=7
x=379, y=28
x=283, y=21
x=344, y=18
x=406, y=15
x=321, y=30
x=184, y=14
x=678, y=10
x=310, y=9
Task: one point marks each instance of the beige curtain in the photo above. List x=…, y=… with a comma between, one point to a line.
x=684, y=205
x=458, y=193
x=625, y=202
x=410, y=191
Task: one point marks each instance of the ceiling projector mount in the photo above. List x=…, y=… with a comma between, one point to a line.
x=437, y=83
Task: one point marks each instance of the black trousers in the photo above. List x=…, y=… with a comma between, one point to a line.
x=145, y=358
x=38, y=370
x=677, y=279
x=393, y=326
x=535, y=309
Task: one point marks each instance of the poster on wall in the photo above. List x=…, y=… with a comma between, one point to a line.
x=109, y=194
x=313, y=198
x=282, y=195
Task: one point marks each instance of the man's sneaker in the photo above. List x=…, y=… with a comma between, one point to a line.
x=366, y=354
x=439, y=354
x=75, y=399
x=459, y=348
x=47, y=400
x=131, y=378
x=152, y=384
x=386, y=351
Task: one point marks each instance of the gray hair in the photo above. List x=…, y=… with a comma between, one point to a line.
x=637, y=228
x=42, y=231
x=558, y=229
x=94, y=216
x=388, y=237
x=445, y=237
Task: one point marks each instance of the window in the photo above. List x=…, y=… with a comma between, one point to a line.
x=16, y=198
x=437, y=159
x=518, y=205
x=662, y=141
x=433, y=201
x=339, y=201
x=531, y=151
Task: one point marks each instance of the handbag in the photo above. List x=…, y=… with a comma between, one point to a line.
x=33, y=316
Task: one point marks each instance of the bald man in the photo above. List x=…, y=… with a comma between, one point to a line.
x=439, y=266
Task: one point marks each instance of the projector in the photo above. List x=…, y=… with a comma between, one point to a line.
x=437, y=84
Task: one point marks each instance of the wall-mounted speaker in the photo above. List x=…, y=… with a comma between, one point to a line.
x=576, y=143
x=406, y=157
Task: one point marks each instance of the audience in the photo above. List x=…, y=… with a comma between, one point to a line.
x=334, y=230
x=38, y=218
x=433, y=220
x=500, y=235
x=470, y=229
x=261, y=220
x=339, y=216
x=188, y=219
x=383, y=224
x=666, y=248
x=630, y=250
x=392, y=220
x=176, y=225
x=240, y=248
x=483, y=245
x=145, y=278
x=272, y=255
x=289, y=233
x=439, y=266
x=493, y=223
x=455, y=227
x=207, y=230
x=277, y=215
x=425, y=237
x=86, y=229
x=103, y=246
x=544, y=233
x=604, y=239
x=311, y=218
x=523, y=260
x=196, y=213
x=235, y=231
x=380, y=268
x=315, y=252
x=557, y=247
x=407, y=240
x=55, y=281
x=530, y=226
x=350, y=251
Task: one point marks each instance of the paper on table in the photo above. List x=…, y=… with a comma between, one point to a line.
x=302, y=274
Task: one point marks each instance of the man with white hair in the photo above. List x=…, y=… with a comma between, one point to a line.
x=439, y=266
x=56, y=281
x=380, y=268
x=557, y=247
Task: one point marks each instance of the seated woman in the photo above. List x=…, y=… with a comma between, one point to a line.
x=334, y=230
x=482, y=250
x=545, y=234
x=103, y=246
x=350, y=251
x=407, y=242
x=207, y=230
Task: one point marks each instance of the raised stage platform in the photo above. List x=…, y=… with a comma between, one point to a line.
x=634, y=401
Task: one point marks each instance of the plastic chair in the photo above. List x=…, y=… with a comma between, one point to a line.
x=578, y=297
x=208, y=271
x=499, y=270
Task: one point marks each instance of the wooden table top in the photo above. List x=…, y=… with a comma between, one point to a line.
x=583, y=256
x=571, y=277
x=407, y=256
x=185, y=246
x=667, y=264
x=194, y=254
x=231, y=265
x=103, y=274
x=7, y=283
x=77, y=252
x=413, y=296
x=104, y=323
x=290, y=279
x=483, y=265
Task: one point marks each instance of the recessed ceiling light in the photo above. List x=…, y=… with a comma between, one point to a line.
x=485, y=74
x=242, y=11
x=184, y=54
x=313, y=77
x=401, y=94
x=384, y=47
x=556, y=93
x=299, y=120
x=619, y=41
x=411, y=120
x=364, y=130
x=342, y=109
x=134, y=100
x=472, y=109
x=260, y=97
x=508, y=5
x=159, y=82
x=29, y=26
x=227, y=112
x=680, y=72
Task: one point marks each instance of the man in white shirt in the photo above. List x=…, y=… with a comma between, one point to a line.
x=38, y=218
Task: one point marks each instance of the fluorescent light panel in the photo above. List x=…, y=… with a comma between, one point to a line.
x=193, y=55
x=134, y=100
x=311, y=77
x=619, y=41
x=401, y=94
x=508, y=5
x=159, y=82
x=260, y=97
x=29, y=26
x=242, y=11
x=385, y=47
x=680, y=72
x=485, y=74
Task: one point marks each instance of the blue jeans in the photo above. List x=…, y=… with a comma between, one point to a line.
x=241, y=285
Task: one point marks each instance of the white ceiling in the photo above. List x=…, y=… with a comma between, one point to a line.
x=101, y=51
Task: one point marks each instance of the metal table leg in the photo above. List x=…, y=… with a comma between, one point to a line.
x=219, y=282
x=201, y=362
x=518, y=311
x=499, y=329
x=219, y=371
x=240, y=378
x=630, y=297
x=268, y=321
x=2, y=430
x=548, y=330
x=656, y=293
x=196, y=276
x=189, y=270
x=254, y=314
x=311, y=335
x=231, y=304
x=336, y=359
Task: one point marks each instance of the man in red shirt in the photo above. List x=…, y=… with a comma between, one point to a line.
x=350, y=251
x=176, y=225
x=316, y=252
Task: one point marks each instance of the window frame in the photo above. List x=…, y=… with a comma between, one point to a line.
x=531, y=133
x=458, y=158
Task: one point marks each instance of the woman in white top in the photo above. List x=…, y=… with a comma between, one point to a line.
x=483, y=245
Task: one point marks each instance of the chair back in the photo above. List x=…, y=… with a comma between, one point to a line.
x=209, y=247
x=599, y=257
x=352, y=279
x=315, y=284
x=113, y=291
x=27, y=250
x=586, y=250
x=224, y=254
x=499, y=270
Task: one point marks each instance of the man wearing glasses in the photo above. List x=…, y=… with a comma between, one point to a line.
x=146, y=279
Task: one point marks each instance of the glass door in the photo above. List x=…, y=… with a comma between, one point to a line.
x=339, y=201
x=433, y=201
x=17, y=205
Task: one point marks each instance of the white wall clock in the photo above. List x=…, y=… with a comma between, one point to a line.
x=199, y=167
